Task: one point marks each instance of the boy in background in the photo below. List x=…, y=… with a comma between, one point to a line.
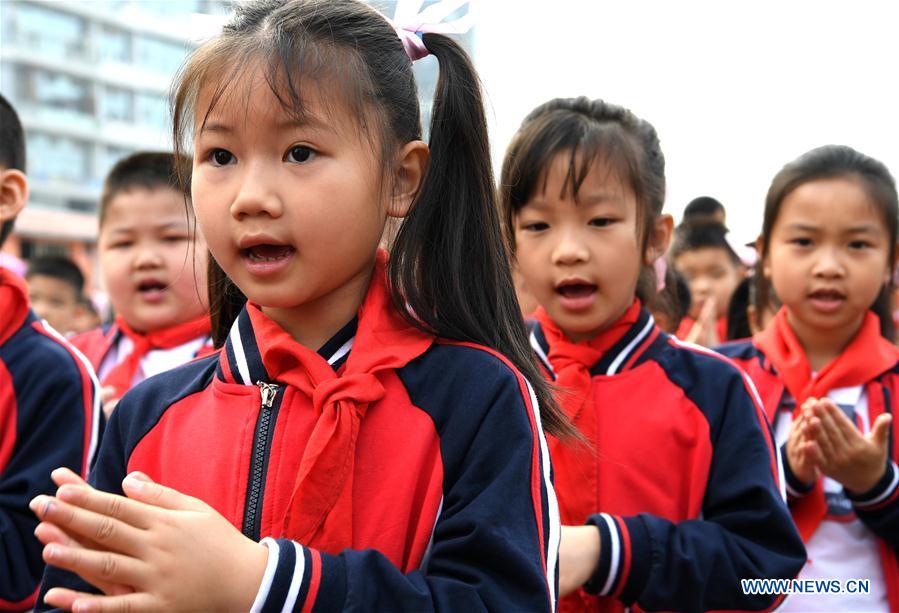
x=49, y=416
x=153, y=263
x=55, y=285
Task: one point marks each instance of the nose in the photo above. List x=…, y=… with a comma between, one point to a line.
x=828, y=264
x=570, y=249
x=146, y=256
x=257, y=195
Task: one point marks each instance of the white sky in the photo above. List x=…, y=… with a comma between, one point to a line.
x=735, y=90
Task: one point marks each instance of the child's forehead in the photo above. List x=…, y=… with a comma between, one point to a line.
x=707, y=255
x=142, y=206
x=49, y=283
x=250, y=102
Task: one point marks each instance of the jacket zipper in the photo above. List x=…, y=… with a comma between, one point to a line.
x=253, y=507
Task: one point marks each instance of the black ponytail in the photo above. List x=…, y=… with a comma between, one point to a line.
x=448, y=269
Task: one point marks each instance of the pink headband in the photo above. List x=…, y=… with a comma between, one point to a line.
x=410, y=24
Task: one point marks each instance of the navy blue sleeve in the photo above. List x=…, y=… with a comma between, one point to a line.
x=745, y=530
x=878, y=508
x=106, y=474
x=495, y=542
x=47, y=406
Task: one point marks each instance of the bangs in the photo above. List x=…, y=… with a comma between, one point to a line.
x=289, y=67
x=588, y=145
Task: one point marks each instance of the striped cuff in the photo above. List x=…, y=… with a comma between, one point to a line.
x=624, y=557
x=883, y=493
x=298, y=578
x=795, y=487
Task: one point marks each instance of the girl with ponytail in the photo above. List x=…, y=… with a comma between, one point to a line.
x=665, y=497
x=370, y=434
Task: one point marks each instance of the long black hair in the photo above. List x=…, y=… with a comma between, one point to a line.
x=834, y=161
x=448, y=262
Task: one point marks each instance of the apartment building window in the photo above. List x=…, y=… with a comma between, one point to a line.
x=57, y=158
x=152, y=111
x=117, y=104
x=52, y=93
x=52, y=32
x=114, y=45
x=159, y=56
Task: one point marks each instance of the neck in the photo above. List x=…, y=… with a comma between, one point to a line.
x=313, y=323
x=823, y=346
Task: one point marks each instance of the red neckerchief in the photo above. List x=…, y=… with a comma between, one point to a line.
x=867, y=356
x=572, y=361
x=320, y=512
x=122, y=374
x=13, y=303
x=687, y=323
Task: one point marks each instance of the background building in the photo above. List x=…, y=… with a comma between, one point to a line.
x=90, y=81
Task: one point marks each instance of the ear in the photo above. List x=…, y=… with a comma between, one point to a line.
x=409, y=172
x=766, y=260
x=659, y=239
x=13, y=194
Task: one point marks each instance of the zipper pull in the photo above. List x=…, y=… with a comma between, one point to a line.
x=269, y=391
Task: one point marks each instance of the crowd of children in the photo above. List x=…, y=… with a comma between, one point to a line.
x=546, y=396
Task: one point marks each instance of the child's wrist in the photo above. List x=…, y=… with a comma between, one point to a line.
x=248, y=576
x=865, y=482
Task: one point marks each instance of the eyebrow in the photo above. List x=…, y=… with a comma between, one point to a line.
x=172, y=225
x=860, y=229
x=309, y=121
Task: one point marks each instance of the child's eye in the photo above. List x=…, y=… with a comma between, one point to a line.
x=802, y=242
x=859, y=244
x=601, y=222
x=175, y=238
x=536, y=226
x=120, y=245
x=221, y=157
x=299, y=154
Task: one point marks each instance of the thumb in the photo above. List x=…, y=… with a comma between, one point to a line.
x=140, y=487
x=880, y=431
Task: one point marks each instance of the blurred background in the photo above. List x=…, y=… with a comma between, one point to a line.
x=735, y=89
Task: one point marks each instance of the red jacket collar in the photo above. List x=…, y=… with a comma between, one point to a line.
x=13, y=303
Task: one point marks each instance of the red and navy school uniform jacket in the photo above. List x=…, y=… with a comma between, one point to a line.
x=878, y=509
x=48, y=419
x=453, y=504
x=97, y=344
x=683, y=481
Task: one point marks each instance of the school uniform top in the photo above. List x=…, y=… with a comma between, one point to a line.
x=848, y=535
x=48, y=419
x=450, y=505
x=682, y=480
x=107, y=346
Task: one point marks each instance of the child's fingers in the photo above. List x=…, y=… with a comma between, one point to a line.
x=64, y=598
x=839, y=428
x=110, y=505
x=105, y=531
x=818, y=433
x=880, y=431
x=50, y=533
x=63, y=475
x=132, y=603
x=97, y=567
x=140, y=487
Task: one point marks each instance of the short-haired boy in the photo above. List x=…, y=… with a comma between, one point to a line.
x=153, y=264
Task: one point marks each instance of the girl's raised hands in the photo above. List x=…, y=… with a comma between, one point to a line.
x=855, y=460
x=156, y=549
